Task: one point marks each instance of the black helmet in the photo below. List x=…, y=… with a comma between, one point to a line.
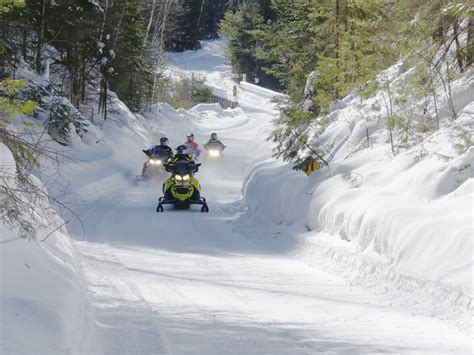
x=164, y=141
x=213, y=135
x=181, y=149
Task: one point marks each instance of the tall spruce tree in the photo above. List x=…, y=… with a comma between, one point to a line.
x=241, y=27
x=131, y=77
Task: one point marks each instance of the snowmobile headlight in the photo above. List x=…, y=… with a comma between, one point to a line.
x=178, y=177
x=214, y=153
x=185, y=177
x=155, y=161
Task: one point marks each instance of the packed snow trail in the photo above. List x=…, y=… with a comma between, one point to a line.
x=218, y=282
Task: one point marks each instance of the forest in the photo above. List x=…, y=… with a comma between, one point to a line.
x=115, y=45
x=346, y=44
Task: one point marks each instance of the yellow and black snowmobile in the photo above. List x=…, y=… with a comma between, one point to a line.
x=182, y=189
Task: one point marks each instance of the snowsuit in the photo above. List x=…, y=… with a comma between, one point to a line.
x=214, y=142
x=192, y=148
x=160, y=151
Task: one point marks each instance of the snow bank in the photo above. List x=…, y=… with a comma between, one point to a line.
x=258, y=90
x=42, y=300
x=406, y=218
x=45, y=301
x=210, y=62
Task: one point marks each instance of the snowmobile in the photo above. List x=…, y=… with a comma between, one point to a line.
x=182, y=189
x=214, y=150
x=153, y=169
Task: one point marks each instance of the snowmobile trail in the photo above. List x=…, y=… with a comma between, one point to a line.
x=219, y=282
x=123, y=321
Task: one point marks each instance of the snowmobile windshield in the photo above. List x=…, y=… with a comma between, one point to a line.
x=182, y=167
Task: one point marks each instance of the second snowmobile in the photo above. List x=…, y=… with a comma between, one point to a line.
x=153, y=169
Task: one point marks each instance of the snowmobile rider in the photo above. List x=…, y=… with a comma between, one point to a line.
x=213, y=141
x=161, y=150
x=191, y=146
x=181, y=156
x=191, y=167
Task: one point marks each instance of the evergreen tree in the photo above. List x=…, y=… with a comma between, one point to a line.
x=289, y=45
x=189, y=32
x=214, y=11
x=132, y=76
x=359, y=51
x=14, y=206
x=241, y=27
x=347, y=43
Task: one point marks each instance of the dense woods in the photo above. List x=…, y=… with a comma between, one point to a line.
x=315, y=51
x=345, y=44
x=90, y=47
x=346, y=41
x=115, y=43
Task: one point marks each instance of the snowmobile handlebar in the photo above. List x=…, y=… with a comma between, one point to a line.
x=182, y=167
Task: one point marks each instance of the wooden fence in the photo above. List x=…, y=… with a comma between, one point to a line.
x=225, y=103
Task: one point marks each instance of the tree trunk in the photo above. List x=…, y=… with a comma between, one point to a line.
x=150, y=21
x=160, y=48
x=101, y=89
x=433, y=93
x=104, y=20
x=337, y=40
x=118, y=27
x=5, y=26
x=39, y=46
x=470, y=42
x=458, y=45
x=199, y=18
x=105, y=99
x=24, y=43
x=83, y=80
x=450, y=93
x=75, y=95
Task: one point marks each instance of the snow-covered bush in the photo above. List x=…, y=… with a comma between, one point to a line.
x=54, y=111
x=187, y=92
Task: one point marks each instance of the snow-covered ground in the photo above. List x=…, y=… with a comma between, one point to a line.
x=402, y=224
x=261, y=272
x=43, y=303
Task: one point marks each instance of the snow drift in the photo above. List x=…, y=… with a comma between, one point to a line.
x=405, y=220
x=42, y=294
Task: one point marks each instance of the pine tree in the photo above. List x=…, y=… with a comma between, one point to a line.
x=359, y=51
x=12, y=203
x=241, y=27
x=132, y=77
x=288, y=45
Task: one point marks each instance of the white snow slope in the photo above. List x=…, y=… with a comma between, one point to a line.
x=43, y=305
x=255, y=274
